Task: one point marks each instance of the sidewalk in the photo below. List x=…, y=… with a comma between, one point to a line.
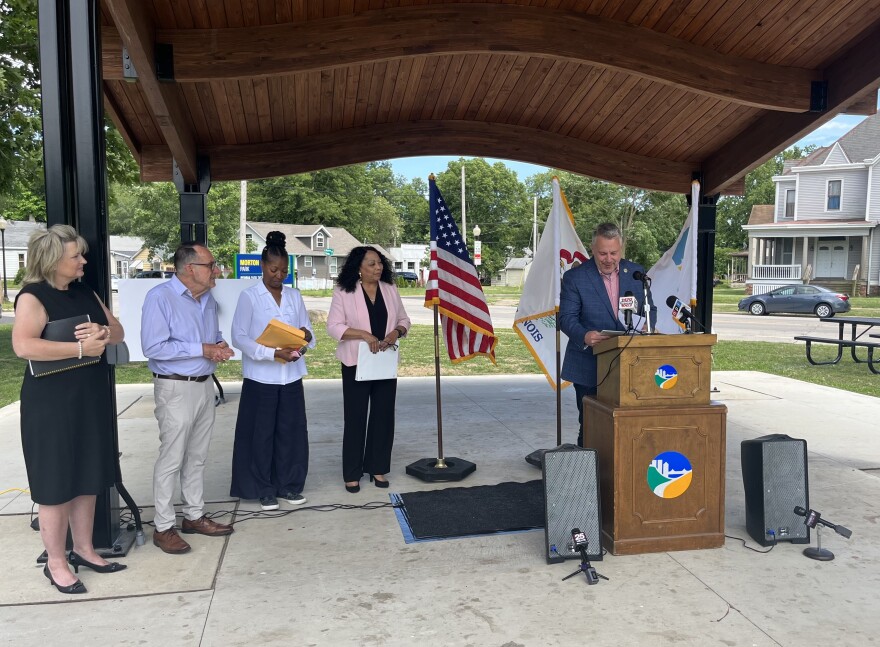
x=345, y=576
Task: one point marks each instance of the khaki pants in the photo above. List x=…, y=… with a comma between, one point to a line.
x=185, y=411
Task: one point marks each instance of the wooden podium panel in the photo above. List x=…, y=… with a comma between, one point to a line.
x=627, y=440
x=628, y=369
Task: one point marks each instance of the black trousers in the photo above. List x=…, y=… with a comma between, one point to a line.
x=580, y=391
x=270, y=456
x=368, y=408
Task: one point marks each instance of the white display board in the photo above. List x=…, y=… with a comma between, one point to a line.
x=132, y=293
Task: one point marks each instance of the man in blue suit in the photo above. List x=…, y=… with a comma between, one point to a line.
x=588, y=304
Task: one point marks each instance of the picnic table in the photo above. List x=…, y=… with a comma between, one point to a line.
x=860, y=328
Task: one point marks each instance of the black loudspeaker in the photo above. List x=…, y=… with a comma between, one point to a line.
x=774, y=472
x=571, y=500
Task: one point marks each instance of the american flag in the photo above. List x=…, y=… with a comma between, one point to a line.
x=453, y=285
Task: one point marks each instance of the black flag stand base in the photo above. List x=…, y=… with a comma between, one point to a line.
x=440, y=470
x=536, y=458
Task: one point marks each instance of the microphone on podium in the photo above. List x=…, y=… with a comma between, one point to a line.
x=627, y=305
x=681, y=313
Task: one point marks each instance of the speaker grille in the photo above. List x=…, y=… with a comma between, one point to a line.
x=571, y=500
x=785, y=486
x=775, y=481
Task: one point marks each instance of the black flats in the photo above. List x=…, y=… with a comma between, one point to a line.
x=378, y=483
x=76, y=561
x=76, y=587
x=354, y=489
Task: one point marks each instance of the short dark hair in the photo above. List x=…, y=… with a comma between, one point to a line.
x=185, y=254
x=349, y=275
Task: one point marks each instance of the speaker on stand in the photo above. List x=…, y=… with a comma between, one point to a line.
x=774, y=470
x=571, y=500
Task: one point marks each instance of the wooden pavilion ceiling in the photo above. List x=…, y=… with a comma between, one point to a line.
x=640, y=92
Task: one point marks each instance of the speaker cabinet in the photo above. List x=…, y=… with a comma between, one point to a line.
x=774, y=470
x=571, y=500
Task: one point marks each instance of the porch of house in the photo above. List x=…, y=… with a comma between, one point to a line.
x=840, y=262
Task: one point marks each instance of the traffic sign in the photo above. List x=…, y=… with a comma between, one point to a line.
x=328, y=251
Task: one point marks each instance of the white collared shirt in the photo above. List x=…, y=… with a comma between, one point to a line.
x=256, y=307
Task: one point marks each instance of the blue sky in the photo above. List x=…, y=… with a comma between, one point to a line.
x=411, y=167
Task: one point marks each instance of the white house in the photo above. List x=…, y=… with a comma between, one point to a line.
x=823, y=226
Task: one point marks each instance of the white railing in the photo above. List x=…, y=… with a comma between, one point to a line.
x=776, y=272
x=764, y=288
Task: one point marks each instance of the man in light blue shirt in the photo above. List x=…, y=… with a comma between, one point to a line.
x=181, y=338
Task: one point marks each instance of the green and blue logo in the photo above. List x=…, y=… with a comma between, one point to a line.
x=666, y=376
x=669, y=475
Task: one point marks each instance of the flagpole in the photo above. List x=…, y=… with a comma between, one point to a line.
x=558, y=385
x=441, y=463
x=441, y=468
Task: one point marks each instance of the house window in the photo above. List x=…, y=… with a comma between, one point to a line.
x=834, y=187
x=307, y=261
x=331, y=260
x=20, y=261
x=789, y=203
x=319, y=241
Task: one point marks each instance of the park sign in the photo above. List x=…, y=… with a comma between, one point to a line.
x=247, y=266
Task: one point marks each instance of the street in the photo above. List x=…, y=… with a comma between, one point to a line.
x=728, y=326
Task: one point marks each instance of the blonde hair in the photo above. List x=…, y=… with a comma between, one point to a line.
x=45, y=250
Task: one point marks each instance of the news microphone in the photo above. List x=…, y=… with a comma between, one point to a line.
x=638, y=275
x=680, y=312
x=627, y=304
x=812, y=518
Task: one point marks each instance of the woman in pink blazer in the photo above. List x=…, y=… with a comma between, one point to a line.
x=366, y=307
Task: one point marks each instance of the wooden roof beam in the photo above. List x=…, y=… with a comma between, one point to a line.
x=848, y=79
x=136, y=31
x=392, y=140
x=379, y=35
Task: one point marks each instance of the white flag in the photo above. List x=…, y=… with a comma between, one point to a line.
x=675, y=274
x=535, y=320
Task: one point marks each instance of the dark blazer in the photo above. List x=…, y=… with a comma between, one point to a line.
x=584, y=306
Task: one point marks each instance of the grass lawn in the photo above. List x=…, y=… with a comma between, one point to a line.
x=417, y=359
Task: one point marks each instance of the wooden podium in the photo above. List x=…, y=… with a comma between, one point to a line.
x=660, y=444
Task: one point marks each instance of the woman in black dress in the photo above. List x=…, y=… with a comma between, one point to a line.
x=66, y=417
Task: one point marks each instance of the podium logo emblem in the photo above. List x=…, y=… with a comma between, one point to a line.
x=666, y=376
x=669, y=475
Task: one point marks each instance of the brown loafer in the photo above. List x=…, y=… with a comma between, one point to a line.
x=205, y=526
x=170, y=542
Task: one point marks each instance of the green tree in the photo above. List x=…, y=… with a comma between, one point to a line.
x=497, y=202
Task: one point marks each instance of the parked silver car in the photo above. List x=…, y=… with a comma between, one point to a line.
x=797, y=299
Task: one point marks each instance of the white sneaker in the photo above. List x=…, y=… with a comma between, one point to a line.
x=268, y=503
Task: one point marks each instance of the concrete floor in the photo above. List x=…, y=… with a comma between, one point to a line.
x=328, y=575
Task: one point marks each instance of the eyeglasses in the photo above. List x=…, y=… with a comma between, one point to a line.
x=213, y=265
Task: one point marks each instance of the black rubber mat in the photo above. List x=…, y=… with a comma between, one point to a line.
x=478, y=510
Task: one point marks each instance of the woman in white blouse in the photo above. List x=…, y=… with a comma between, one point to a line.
x=270, y=458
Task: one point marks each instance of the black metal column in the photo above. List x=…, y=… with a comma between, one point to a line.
x=194, y=203
x=706, y=214
x=74, y=166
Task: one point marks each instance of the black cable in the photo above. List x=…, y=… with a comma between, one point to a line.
x=772, y=546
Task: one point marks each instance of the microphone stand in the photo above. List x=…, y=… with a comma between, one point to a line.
x=645, y=282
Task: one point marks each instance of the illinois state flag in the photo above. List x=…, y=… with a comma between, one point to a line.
x=675, y=274
x=453, y=285
x=560, y=249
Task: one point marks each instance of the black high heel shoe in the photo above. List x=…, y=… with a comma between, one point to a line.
x=354, y=489
x=76, y=587
x=378, y=483
x=76, y=561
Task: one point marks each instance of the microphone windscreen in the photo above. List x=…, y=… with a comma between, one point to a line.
x=800, y=511
x=670, y=300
